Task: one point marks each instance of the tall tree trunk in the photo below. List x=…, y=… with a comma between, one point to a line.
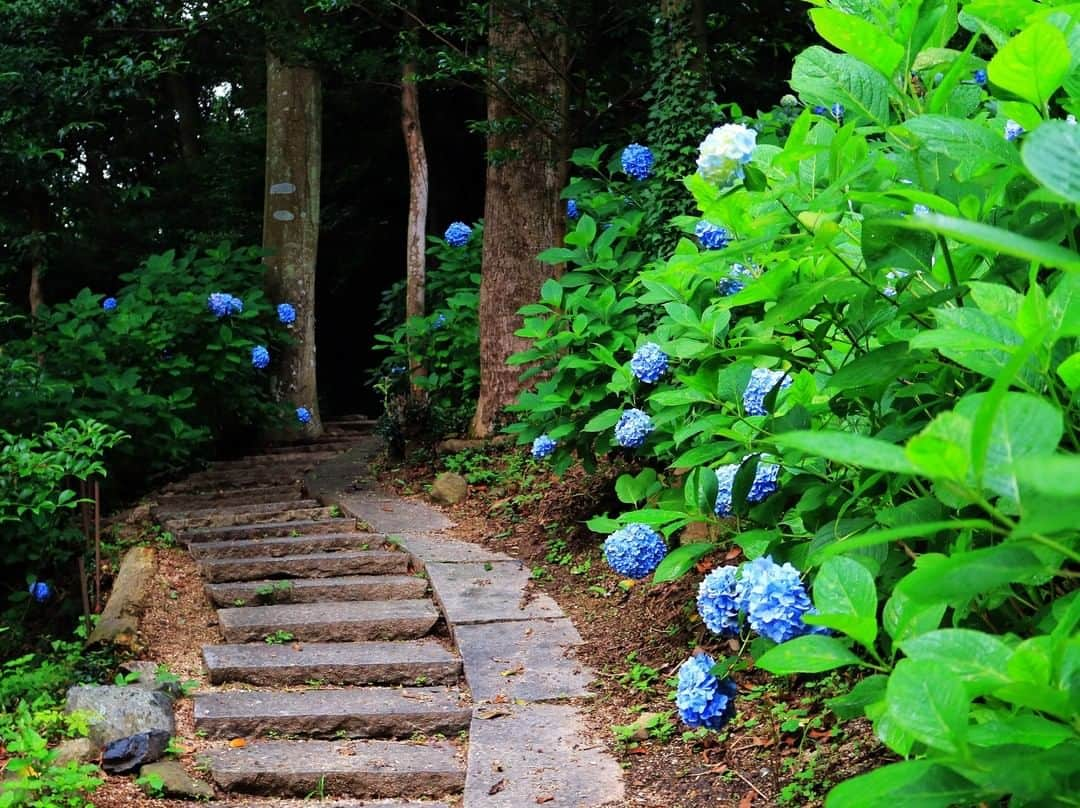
x=418, y=197
x=39, y=212
x=521, y=205
x=188, y=118
x=291, y=220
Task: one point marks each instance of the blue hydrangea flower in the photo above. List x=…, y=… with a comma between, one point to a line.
x=571, y=209
x=774, y=599
x=633, y=427
x=717, y=601
x=542, y=447
x=260, y=357
x=1013, y=130
x=762, y=381
x=458, y=234
x=837, y=111
x=218, y=303
x=736, y=280
x=109, y=303
x=819, y=109
x=701, y=698
x=980, y=77
x=724, y=152
x=649, y=363
x=635, y=550
x=236, y=305
x=286, y=314
x=712, y=236
x=766, y=477
x=40, y=591
x=920, y=209
x=397, y=370
x=303, y=415
x=438, y=322
x=637, y=161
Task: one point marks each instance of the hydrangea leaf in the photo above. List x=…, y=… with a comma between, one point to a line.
x=903, y=618
x=862, y=39
x=930, y=703
x=974, y=145
x=848, y=448
x=977, y=658
x=845, y=588
x=958, y=578
x=681, y=560
x=1032, y=64
x=1049, y=153
x=811, y=653
x=910, y=783
x=822, y=77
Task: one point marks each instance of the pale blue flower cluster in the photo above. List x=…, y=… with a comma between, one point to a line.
x=286, y=314
x=542, y=447
x=633, y=427
x=718, y=601
x=725, y=151
x=649, y=363
x=701, y=698
x=766, y=476
x=893, y=275
x=222, y=304
x=712, y=236
x=762, y=381
x=109, y=303
x=458, y=234
x=572, y=211
x=438, y=322
x=303, y=415
x=920, y=209
x=635, y=550
x=837, y=110
x=736, y=280
x=774, y=599
x=260, y=357
x=1013, y=130
x=40, y=591
x=637, y=161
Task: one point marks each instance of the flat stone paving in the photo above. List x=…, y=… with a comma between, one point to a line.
x=305, y=565
x=329, y=622
x=429, y=548
x=488, y=592
x=268, y=529
x=285, y=545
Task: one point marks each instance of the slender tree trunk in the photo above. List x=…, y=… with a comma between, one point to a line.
x=291, y=220
x=188, y=120
x=521, y=204
x=39, y=211
x=418, y=197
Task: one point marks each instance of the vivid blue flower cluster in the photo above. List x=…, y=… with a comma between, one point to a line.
x=718, y=602
x=40, y=591
x=260, y=357
x=542, y=447
x=762, y=381
x=286, y=314
x=649, y=363
x=438, y=322
x=819, y=109
x=712, y=236
x=458, y=234
x=774, y=600
x=766, y=476
x=223, y=304
x=1013, y=130
x=109, y=303
x=637, y=161
x=634, y=550
x=633, y=427
x=980, y=77
x=735, y=282
x=571, y=209
x=701, y=698
x=303, y=415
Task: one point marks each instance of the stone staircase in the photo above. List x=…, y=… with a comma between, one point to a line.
x=330, y=681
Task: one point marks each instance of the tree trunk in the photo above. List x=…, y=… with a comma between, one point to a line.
x=188, y=118
x=521, y=204
x=39, y=212
x=291, y=221
x=418, y=197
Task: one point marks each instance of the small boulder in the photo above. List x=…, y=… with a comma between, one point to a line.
x=175, y=782
x=126, y=755
x=449, y=488
x=81, y=750
x=119, y=712
x=150, y=680
x=119, y=620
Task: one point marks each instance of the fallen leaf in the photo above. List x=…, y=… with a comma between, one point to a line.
x=545, y=798
x=486, y=713
x=513, y=671
x=747, y=800
x=499, y=786
x=237, y=743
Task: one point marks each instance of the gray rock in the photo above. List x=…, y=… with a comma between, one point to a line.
x=305, y=565
x=82, y=750
x=449, y=488
x=119, y=619
x=119, y=712
x=175, y=782
x=148, y=678
x=488, y=592
x=126, y=755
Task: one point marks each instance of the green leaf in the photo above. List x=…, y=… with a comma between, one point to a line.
x=958, y=578
x=929, y=703
x=845, y=587
x=681, y=560
x=823, y=77
x=972, y=144
x=880, y=366
x=904, y=618
x=811, y=653
x=882, y=250
x=976, y=658
x=861, y=39
x=910, y=783
x=603, y=421
x=852, y=704
x=1033, y=64
x=1026, y=729
x=853, y=450
x=922, y=530
x=699, y=491
x=1056, y=475
x=1049, y=153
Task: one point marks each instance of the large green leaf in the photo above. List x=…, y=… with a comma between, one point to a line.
x=1026, y=729
x=958, y=578
x=930, y=703
x=845, y=588
x=1050, y=155
x=878, y=367
x=1032, y=64
x=910, y=783
x=844, y=447
x=977, y=658
x=811, y=653
x=863, y=40
x=823, y=77
x=972, y=144
x=681, y=560
x=882, y=250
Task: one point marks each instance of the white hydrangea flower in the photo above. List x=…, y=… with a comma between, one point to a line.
x=724, y=152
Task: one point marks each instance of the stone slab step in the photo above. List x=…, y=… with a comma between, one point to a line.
x=357, y=768
x=228, y=518
x=210, y=499
x=285, y=504
x=323, y=449
x=267, y=458
x=237, y=480
x=287, y=545
x=313, y=590
x=331, y=622
x=308, y=565
x=355, y=663
x=328, y=803
x=365, y=712
x=302, y=527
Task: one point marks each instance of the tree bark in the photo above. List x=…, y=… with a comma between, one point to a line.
x=418, y=197
x=39, y=212
x=521, y=204
x=189, y=119
x=291, y=221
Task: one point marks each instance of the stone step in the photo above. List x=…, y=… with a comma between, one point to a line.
x=355, y=663
x=287, y=545
x=313, y=590
x=215, y=508
x=228, y=518
x=284, y=474
x=365, y=712
x=331, y=621
x=357, y=768
x=309, y=565
x=303, y=527
x=326, y=803
x=209, y=499
x=323, y=449
x=270, y=457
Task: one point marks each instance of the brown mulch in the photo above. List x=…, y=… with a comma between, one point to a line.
x=782, y=749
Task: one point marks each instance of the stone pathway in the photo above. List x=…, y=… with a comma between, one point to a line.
x=330, y=673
